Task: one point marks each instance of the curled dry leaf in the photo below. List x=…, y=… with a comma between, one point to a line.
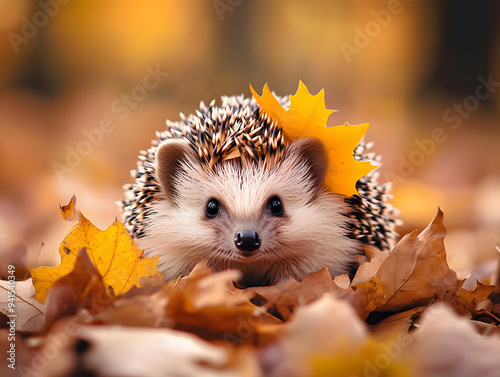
x=204, y=303
x=209, y=305
x=82, y=287
x=144, y=308
x=467, y=301
x=367, y=271
x=342, y=281
x=113, y=252
x=414, y=273
x=285, y=297
x=400, y=322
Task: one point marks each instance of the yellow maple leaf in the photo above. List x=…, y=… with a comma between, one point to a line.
x=307, y=117
x=112, y=251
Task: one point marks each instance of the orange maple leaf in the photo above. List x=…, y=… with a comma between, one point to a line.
x=112, y=251
x=307, y=117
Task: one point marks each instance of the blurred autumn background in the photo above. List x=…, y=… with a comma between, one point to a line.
x=84, y=85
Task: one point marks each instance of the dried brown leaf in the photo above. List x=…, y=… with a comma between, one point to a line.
x=285, y=297
x=209, y=305
x=400, y=322
x=144, y=307
x=465, y=300
x=342, y=281
x=82, y=287
x=415, y=273
x=288, y=294
x=367, y=271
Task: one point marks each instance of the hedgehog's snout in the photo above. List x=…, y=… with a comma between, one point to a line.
x=247, y=240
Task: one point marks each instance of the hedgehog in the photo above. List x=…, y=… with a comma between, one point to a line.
x=222, y=186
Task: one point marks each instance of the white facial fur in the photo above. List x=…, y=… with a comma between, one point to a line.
x=310, y=234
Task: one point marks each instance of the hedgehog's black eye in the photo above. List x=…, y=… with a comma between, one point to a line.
x=213, y=207
x=275, y=206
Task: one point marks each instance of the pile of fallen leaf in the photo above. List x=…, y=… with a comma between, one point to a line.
x=105, y=311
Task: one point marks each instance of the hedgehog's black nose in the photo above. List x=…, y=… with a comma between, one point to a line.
x=247, y=240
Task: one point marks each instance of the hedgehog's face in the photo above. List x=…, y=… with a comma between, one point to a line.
x=252, y=217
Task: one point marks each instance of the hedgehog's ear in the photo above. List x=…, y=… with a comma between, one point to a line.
x=313, y=151
x=169, y=157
